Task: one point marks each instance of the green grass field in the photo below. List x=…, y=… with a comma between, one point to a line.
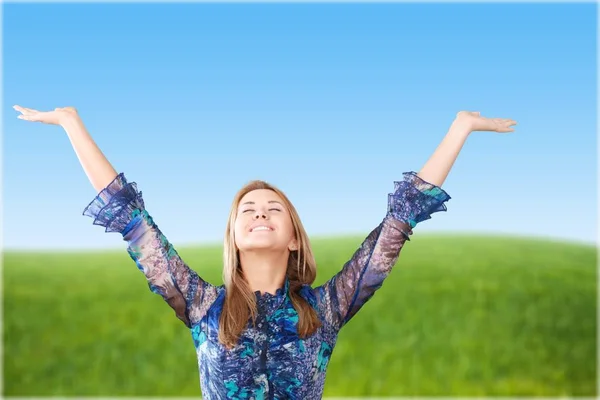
x=459, y=315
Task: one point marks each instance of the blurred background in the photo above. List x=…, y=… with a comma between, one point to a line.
x=331, y=103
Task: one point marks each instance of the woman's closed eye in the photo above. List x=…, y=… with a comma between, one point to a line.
x=252, y=210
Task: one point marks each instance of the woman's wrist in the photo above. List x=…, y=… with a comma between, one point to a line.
x=71, y=123
x=460, y=127
x=68, y=119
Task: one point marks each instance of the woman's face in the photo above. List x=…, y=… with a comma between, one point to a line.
x=263, y=222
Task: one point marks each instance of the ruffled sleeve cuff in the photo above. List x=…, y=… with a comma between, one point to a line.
x=414, y=200
x=116, y=205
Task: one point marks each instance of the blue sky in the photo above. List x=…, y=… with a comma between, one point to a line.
x=330, y=102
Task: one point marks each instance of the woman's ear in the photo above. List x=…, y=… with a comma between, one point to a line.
x=293, y=246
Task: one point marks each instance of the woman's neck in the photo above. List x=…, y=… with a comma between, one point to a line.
x=264, y=271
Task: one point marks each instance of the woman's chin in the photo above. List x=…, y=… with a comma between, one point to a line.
x=257, y=245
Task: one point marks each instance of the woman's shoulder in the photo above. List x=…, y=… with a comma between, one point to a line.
x=308, y=293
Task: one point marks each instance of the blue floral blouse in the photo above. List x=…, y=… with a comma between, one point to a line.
x=270, y=361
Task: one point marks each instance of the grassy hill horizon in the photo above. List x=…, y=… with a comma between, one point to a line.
x=119, y=245
x=461, y=314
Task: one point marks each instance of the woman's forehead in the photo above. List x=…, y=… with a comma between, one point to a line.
x=261, y=195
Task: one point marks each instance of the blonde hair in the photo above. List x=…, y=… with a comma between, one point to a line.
x=240, y=300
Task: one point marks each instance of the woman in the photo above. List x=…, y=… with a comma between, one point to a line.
x=265, y=333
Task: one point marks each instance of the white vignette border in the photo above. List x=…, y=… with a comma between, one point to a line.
x=315, y=1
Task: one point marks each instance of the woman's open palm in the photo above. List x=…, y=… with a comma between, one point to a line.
x=47, y=117
x=476, y=122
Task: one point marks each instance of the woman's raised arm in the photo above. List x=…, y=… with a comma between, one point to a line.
x=119, y=207
x=414, y=199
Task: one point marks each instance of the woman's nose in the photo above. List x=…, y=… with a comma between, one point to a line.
x=260, y=214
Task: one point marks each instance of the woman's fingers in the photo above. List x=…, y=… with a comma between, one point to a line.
x=505, y=126
x=502, y=125
x=508, y=123
x=28, y=117
x=20, y=109
x=27, y=114
x=46, y=117
x=505, y=121
x=26, y=111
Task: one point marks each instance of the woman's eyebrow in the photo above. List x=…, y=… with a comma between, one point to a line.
x=270, y=202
